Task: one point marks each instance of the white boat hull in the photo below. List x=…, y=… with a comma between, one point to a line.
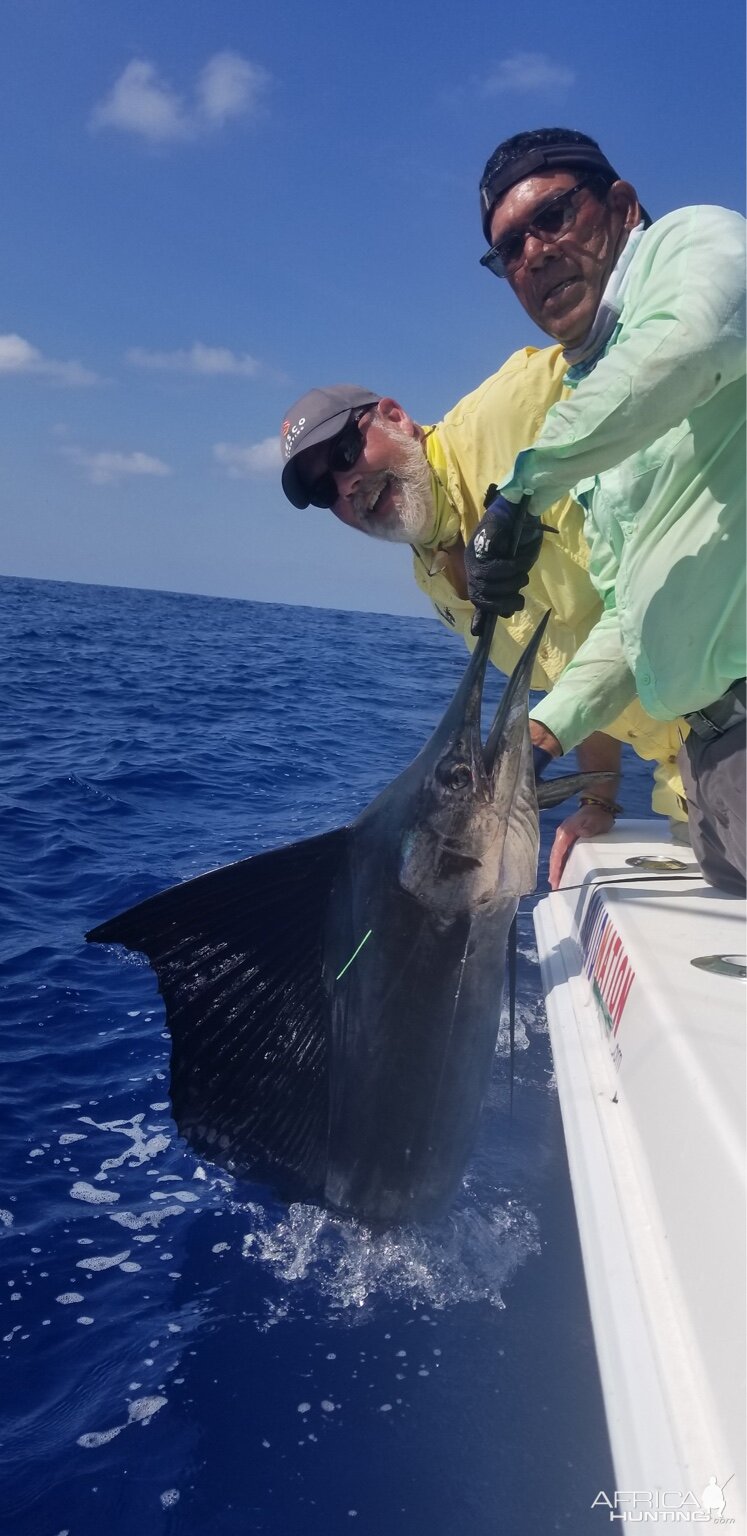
x=649, y=1054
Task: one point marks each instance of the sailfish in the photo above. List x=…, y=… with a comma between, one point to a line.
x=333, y=1005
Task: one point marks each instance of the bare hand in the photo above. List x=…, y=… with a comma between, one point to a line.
x=590, y=821
x=541, y=737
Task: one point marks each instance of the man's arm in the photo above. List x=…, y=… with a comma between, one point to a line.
x=597, y=684
x=682, y=340
x=598, y=754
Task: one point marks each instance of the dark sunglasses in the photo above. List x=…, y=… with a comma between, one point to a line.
x=342, y=453
x=553, y=219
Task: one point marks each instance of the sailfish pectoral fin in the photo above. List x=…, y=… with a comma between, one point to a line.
x=554, y=791
x=238, y=954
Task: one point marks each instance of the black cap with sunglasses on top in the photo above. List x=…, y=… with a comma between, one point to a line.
x=567, y=155
x=321, y=416
x=563, y=151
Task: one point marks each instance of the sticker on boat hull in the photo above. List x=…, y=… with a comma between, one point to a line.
x=606, y=963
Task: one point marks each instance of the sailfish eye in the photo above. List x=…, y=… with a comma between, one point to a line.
x=454, y=775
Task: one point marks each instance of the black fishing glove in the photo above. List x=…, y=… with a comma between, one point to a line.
x=500, y=555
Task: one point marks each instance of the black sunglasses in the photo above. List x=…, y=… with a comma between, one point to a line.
x=553, y=219
x=342, y=453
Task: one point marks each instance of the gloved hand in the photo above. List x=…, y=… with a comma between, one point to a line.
x=500, y=555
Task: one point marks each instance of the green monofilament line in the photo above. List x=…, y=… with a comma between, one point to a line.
x=355, y=952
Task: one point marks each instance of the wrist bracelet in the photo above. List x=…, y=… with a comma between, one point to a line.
x=607, y=805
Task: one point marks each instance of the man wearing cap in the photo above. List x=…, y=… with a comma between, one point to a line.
x=365, y=458
x=651, y=442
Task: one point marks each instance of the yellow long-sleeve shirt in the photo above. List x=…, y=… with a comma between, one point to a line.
x=475, y=443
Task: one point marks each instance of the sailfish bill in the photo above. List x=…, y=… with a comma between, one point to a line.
x=333, y=1005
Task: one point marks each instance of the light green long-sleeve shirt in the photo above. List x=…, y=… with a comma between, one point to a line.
x=652, y=443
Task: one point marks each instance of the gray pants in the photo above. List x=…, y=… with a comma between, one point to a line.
x=713, y=773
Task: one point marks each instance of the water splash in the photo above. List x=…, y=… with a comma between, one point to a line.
x=468, y=1257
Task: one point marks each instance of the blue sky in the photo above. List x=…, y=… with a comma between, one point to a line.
x=209, y=206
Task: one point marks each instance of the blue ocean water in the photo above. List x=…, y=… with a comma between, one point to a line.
x=181, y=1353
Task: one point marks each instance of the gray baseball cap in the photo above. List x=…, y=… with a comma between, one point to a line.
x=316, y=418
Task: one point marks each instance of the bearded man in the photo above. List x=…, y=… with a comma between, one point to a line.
x=651, y=318
x=364, y=458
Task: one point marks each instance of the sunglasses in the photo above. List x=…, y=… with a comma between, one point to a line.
x=343, y=452
x=552, y=220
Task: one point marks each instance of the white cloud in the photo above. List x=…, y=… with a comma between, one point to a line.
x=229, y=86
x=240, y=462
x=210, y=361
x=531, y=73
x=140, y=101
x=110, y=466
x=18, y=356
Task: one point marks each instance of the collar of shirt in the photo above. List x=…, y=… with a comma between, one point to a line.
x=446, y=527
x=583, y=358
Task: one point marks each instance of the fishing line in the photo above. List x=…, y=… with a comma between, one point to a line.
x=591, y=885
x=511, y=1013
x=357, y=951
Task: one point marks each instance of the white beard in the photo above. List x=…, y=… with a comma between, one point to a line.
x=412, y=515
